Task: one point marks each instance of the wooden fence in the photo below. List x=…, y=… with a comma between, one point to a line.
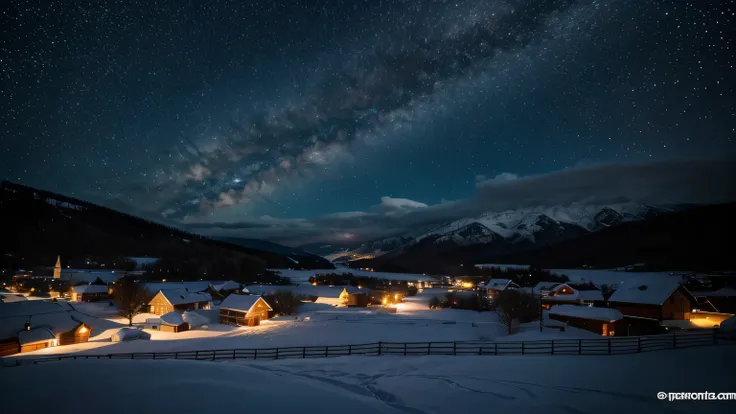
x=593, y=346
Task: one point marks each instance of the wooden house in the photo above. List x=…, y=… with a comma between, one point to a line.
x=179, y=300
x=661, y=298
x=495, y=286
x=90, y=293
x=722, y=300
x=30, y=325
x=172, y=322
x=244, y=310
x=602, y=321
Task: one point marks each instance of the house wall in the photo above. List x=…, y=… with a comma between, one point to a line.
x=91, y=297
x=724, y=303
x=158, y=305
x=168, y=328
x=644, y=311
x=259, y=310
x=237, y=318
x=358, y=299
x=34, y=347
x=191, y=306
x=328, y=301
x=75, y=336
x=595, y=326
x=676, y=307
x=9, y=347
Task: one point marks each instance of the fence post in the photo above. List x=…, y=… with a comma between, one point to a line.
x=638, y=344
x=454, y=348
x=580, y=347
x=495, y=348
x=379, y=348
x=674, y=340
x=480, y=350
x=196, y=355
x=154, y=355
x=327, y=351
x=609, y=347
x=404, y=348
x=109, y=356
x=429, y=348
x=132, y=356
x=522, y=347
x=213, y=355
x=277, y=352
x=304, y=352
x=255, y=354
x=233, y=354
x=715, y=337
x=350, y=349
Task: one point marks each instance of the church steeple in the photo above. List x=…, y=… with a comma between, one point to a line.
x=57, y=268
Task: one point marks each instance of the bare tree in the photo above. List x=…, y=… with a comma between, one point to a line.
x=130, y=298
x=512, y=305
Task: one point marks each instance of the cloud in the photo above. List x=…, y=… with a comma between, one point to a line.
x=659, y=183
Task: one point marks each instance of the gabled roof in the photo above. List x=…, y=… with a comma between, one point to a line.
x=241, y=302
x=29, y=307
x=11, y=297
x=499, y=284
x=90, y=289
x=544, y=286
x=651, y=291
x=590, y=295
x=35, y=335
x=355, y=289
x=587, y=312
x=228, y=285
x=182, y=297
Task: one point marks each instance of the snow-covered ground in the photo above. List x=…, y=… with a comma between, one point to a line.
x=415, y=385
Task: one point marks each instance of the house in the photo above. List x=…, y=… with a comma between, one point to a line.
x=356, y=297
x=196, y=286
x=170, y=300
x=554, y=293
x=244, y=310
x=30, y=325
x=602, y=321
x=722, y=300
x=89, y=293
x=495, y=286
x=173, y=322
x=226, y=287
x=661, y=298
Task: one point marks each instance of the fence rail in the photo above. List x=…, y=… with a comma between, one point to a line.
x=593, y=346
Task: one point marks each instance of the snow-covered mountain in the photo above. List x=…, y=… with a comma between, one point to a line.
x=535, y=226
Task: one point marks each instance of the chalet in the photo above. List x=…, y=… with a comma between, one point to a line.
x=554, y=293
x=495, y=286
x=173, y=322
x=244, y=310
x=168, y=300
x=661, y=298
x=602, y=321
x=355, y=297
x=89, y=293
x=30, y=325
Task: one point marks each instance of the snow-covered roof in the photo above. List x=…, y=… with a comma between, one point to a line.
x=35, y=335
x=90, y=289
x=56, y=322
x=196, y=286
x=11, y=297
x=182, y=297
x=171, y=319
x=587, y=312
x=729, y=325
x=499, y=284
x=89, y=275
x=539, y=287
x=650, y=291
x=29, y=307
x=355, y=289
x=241, y=302
x=722, y=292
x=227, y=285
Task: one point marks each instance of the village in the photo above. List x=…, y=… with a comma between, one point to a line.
x=93, y=311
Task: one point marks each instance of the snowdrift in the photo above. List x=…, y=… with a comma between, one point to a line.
x=129, y=334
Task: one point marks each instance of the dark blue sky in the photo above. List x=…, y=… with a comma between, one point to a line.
x=226, y=111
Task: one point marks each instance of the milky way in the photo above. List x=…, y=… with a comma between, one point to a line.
x=229, y=111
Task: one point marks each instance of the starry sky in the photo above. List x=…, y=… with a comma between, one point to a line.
x=304, y=121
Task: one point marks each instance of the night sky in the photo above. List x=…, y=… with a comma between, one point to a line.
x=315, y=120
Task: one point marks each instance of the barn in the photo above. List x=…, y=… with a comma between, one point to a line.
x=89, y=293
x=179, y=300
x=244, y=310
x=602, y=321
x=661, y=298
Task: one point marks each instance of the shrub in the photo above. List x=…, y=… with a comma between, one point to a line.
x=411, y=291
x=435, y=303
